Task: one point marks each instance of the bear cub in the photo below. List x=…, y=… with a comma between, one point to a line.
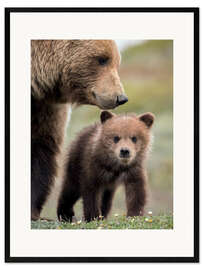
x=102, y=156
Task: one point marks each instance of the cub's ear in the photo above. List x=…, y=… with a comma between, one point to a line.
x=147, y=118
x=105, y=115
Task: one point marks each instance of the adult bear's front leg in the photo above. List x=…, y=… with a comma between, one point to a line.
x=43, y=171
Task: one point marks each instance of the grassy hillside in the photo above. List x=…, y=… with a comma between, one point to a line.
x=117, y=222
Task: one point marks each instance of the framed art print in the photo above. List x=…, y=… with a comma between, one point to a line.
x=102, y=134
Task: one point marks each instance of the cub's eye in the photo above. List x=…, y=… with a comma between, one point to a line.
x=103, y=60
x=134, y=139
x=116, y=139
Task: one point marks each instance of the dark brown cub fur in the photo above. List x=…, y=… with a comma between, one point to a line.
x=102, y=156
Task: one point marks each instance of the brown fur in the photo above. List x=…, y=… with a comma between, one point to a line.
x=62, y=72
x=96, y=166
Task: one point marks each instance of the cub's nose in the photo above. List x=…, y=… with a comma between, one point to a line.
x=124, y=153
x=121, y=100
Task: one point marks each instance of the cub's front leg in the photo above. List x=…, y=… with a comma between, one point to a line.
x=91, y=204
x=135, y=192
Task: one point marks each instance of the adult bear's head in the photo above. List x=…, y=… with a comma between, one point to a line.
x=77, y=71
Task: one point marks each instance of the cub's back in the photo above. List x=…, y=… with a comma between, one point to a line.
x=80, y=146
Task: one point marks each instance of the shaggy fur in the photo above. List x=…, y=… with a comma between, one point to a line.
x=65, y=72
x=102, y=156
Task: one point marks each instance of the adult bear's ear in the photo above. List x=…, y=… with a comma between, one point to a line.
x=105, y=115
x=147, y=118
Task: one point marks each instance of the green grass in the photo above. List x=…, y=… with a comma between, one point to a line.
x=117, y=222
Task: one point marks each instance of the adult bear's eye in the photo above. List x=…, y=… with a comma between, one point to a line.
x=116, y=139
x=134, y=139
x=103, y=60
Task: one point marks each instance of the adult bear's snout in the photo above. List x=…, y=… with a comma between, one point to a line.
x=121, y=100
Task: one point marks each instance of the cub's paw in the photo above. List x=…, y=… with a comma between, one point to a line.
x=65, y=215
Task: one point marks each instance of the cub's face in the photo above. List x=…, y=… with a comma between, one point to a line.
x=92, y=74
x=125, y=138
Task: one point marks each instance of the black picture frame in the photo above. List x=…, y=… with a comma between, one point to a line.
x=8, y=257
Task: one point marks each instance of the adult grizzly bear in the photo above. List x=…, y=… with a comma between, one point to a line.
x=65, y=72
x=103, y=156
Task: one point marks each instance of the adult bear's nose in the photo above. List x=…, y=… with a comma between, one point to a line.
x=121, y=100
